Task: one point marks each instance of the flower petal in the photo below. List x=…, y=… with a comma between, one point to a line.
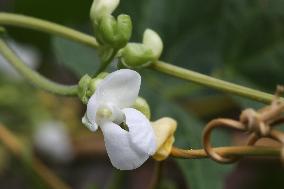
x=92, y=126
x=140, y=130
x=164, y=130
x=119, y=148
x=120, y=88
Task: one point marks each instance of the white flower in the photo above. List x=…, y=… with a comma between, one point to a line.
x=108, y=108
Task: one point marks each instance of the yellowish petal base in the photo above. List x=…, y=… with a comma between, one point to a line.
x=164, y=130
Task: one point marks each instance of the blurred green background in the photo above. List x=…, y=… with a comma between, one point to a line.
x=239, y=41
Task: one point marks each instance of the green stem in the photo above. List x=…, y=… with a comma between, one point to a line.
x=33, y=76
x=105, y=64
x=48, y=27
x=211, y=82
x=52, y=28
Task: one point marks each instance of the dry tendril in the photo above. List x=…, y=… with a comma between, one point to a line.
x=258, y=123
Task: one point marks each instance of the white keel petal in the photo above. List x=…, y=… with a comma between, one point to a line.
x=140, y=130
x=119, y=148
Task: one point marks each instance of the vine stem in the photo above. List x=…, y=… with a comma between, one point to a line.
x=188, y=75
x=238, y=151
x=32, y=75
x=48, y=27
x=211, y=82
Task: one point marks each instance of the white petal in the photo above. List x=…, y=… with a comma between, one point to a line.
x=140, y=130
x=119, y=148
x=119, y=88
x=92, y=126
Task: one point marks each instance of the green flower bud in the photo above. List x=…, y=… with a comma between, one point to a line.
x=115, y=33
x=142, y=54
x=101, y=8
x=152, y=40
x=136, y=55
x=83, y=88
x=142, y=106
x=87, y=86
x=94, y=83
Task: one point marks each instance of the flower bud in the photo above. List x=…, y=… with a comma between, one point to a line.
x=101, y=8
x=139, y=55
x=164, y=130
x=83, y=87
x=115, y=33
x=136, y=55
x=88, y=85
x=152, y=40
x=95, y=82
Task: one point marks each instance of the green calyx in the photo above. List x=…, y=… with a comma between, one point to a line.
x=88, y=85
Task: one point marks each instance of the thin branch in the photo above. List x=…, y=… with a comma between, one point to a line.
x=238, y=151
x=211, y=82
x=32, y=76
x=48, y=27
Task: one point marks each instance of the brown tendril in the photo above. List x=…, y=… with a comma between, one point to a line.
x=259, y=123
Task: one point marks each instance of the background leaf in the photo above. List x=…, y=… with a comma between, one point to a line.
x=77, y=57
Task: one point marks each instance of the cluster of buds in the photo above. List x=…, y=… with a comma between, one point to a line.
x=115, y=33
x=109, y=30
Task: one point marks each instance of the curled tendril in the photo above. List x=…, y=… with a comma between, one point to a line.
x=258, y=123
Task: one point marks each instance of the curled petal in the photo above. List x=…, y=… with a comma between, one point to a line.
x=164, y=131
x=120, y=151
x=140, y=130
x=92, y=126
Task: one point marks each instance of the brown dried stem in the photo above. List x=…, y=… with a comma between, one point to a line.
x=258, y=123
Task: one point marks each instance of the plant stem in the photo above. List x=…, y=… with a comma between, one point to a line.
x=32, y=75
x=105, y=64
x=48, y=27
x=188, y=75
x=211, y=82
x=227, y=151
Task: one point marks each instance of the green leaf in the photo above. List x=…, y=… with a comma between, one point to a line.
x=77, y=57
